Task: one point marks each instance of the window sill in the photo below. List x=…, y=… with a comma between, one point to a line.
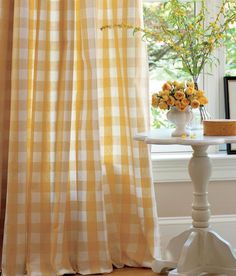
x=173, y=167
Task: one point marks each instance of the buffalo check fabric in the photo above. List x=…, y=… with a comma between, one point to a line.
x=6, y=28
x=79, y=192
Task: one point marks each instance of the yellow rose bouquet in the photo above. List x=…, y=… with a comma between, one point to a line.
x=179, y=95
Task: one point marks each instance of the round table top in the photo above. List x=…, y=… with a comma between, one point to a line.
x=163, y=137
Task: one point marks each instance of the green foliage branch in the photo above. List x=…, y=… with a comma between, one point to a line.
x=192, y=39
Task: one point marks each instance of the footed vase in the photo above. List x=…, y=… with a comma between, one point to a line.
x=180, y=119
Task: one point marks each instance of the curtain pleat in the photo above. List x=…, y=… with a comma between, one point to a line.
x=6, y=32
x=79, y=192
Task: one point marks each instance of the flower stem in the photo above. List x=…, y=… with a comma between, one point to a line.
x=195, y=83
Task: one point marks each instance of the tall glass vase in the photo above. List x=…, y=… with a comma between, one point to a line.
x=204, y=114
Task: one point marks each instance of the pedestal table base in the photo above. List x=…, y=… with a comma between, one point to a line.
x=196, y=251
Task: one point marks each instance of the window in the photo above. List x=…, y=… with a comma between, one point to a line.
x=162, y=68
x=230, y=48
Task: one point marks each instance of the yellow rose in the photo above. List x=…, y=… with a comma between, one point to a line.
x=195, y=104
x=182, y=107
x=203, y=100
x=165, y=97
x=178, y=104
x=171, y=101
x=185, y=102
x=190, y=90
x=199, y=93
x=178, y=85
x=166, y=86
x=155, y=100
x=165, y=92
x=163, y=105
x=190, y=84
x=179, y=95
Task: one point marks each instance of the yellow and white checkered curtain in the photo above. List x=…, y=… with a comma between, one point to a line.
x=79, y=192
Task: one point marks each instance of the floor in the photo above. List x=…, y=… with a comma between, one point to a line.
x=132, y=272
x=140, y=272
x=127, y=271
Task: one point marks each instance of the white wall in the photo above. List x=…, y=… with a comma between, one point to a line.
x=174, y=202
x=175, y=199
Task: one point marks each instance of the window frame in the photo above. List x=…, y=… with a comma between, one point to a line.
x=211, y=84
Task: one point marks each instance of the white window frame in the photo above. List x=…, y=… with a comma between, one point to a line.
x=172, y=166
x=211, y=84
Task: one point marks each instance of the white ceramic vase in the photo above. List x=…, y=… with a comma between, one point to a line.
x=180, y=119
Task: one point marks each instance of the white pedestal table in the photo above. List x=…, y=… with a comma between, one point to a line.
x=199, y=249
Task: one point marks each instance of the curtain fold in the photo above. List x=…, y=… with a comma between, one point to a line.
x=79, y=191
x=6, y=32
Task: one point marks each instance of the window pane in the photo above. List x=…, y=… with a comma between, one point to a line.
x=230, y=44
x=163, y=65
